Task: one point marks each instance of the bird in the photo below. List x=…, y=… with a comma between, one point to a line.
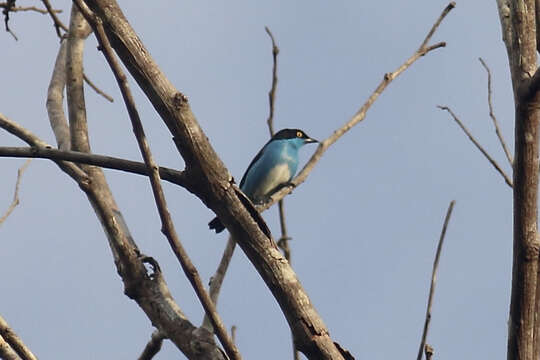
x=273, y=167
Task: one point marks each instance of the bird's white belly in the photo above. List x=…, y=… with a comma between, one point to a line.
x=278, y=175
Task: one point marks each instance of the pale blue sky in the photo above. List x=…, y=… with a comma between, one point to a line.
x=366, y=222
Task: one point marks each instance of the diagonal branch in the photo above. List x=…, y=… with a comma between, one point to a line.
x=153, y=346
x=478, y=146
x=14, y=341
x=212, y=183
x=58, y=25
x=6, y=352
x=361, y=113
x=167, y=224
x=283, y=242
x=434, y=280
x=15, y=201
x=493, y=118
x=217, y=280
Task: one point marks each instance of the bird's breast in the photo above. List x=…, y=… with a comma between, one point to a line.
x=278, y=175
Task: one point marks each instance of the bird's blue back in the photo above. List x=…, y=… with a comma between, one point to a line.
x=274, y=165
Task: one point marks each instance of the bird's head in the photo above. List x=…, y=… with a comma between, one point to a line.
x=295, y=136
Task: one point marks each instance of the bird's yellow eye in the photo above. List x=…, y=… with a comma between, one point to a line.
x=299, y=134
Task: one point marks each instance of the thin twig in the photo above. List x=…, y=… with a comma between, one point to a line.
x=98, y=90
x=153, y=346
x=217, y=279
x=272, y=92
x=493, y=118
x=15, y=201
x=56, y=21
x=10, y=5
x=14, y=341
x=27, y=8
x=167, y=225
x=283, y=242
x=434, y=278
x=107, y=162
x=361, y=113
x=478, y=146
x=435, y=26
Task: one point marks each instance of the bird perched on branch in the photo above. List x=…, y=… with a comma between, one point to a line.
x=273, y=167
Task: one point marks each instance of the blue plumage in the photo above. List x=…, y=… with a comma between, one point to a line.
x=274, y=166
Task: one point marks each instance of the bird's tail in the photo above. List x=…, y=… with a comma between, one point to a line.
x=216, y=225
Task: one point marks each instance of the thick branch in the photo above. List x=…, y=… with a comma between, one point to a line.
x=518, y=23
x=14, y=341
x=55, y=100
x=167, y=224
x=213, y=185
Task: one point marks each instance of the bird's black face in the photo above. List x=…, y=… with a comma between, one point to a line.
x=286, y=134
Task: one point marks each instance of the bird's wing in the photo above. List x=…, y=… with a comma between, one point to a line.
x=257, y=157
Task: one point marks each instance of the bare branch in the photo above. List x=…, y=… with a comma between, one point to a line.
x=55, y=100
x=212, y=182
x=272, y=92
x=435, y=26
x=12, y=127
x=26, y=8
x=79, y=30
x=217, y=279
x=15, y=201
x=108, y=162
x=98, y=90
x=434, y=279
x=361, y=113
x=7, y=8
x=153, y=347
x=6, y=352
x=56, y=21
x=167, y=224
x=493, y=118
x=14, y=341
x=478, y=146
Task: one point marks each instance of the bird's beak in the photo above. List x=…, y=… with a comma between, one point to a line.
x=310, y=140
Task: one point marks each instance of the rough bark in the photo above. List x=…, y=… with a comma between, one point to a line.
x=209, y=180
x=518, y=21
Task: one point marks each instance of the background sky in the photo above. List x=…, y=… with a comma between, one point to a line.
x=365, y=224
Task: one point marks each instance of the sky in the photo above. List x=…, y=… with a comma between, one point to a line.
x=365, y=224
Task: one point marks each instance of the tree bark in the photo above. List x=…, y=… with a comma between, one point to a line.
x=210, y=181
x=518, y=21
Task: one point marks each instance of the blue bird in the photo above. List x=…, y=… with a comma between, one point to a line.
x=273, y=167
